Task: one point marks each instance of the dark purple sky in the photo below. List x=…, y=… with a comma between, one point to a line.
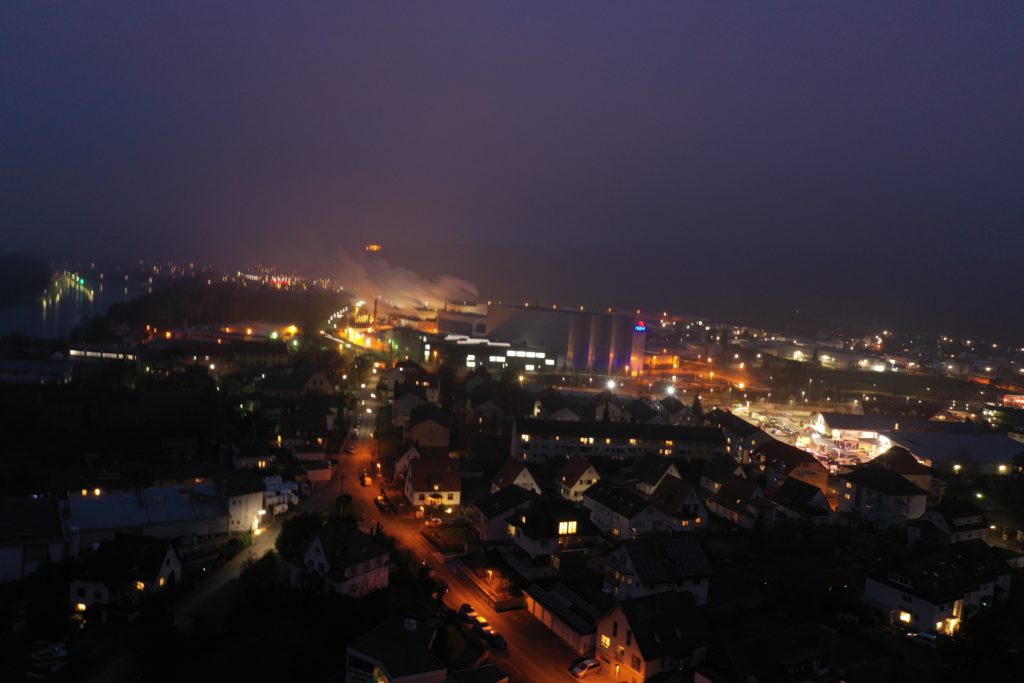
x=815, y=141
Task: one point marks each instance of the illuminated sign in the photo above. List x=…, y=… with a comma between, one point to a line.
x=640, y=327
x=1013, y=400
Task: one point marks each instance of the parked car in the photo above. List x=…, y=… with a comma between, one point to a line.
x=496, y=640
x=433, y=523
x=923, y=639
x=583, y=668
x=481, y=625
x=382, y=503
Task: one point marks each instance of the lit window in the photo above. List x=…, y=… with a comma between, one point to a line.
x=606, y=642
x=139, y=586
x=905, y=617
x=566, y=527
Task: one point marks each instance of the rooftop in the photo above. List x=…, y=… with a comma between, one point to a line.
x=882, y=480
x=619, y=430
x=402, y=646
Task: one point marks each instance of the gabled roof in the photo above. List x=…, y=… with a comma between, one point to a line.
x=426, y=472
x=345, y=545
x=509, y=472
x=901, y=461
x=720, y=469
x=796, y=495
x=640, y=411
x=291, y=380
x=402, y=646
x=650, y=468
x=426, y=412
x=575, y=467
x=127, y=558
x=780, y=455
x=672, y=405
x=946, y=576
x=543, y=516
x=670, y=495
x=619, y=430
x=410, y=389
x=665, y=625
x=625, y=502
x=672, y=558
x=953, y=509
x=500, y=502
x=736, y=493
x=731, y=423
x=882, y=480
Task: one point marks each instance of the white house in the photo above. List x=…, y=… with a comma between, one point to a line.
x=623, y=513
x=342, y=559
x=880, y=496
x=515, y=473
x=646, y=566
x=126, y=565
x=490, y=513
x=576, y=477
x=434, y=483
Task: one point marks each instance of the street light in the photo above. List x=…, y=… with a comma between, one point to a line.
x=611, y=384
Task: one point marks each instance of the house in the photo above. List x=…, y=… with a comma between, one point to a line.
x=342, y=559
x=954, y=520
x=902, y=462
x=717, y=471
x=542, y=440
x=566, y=613
x=489, y=514
x=32, y=532
x=429, y=426
x=410, y=452
x=641, y=411
x=484, y=407
x=609, y=408
x=778, y=461
x=652, y=638
x=682, y=503
x=434, y=482
x=515, y=473
x=938, y=592
x=551, y=405
x=551, y=527
x=251, y=453
x=880, y=496
x=576, y=477
x=741, y=437
x=407, y=398
x=650, y=470
x=302, y=380
x=623, y=513
x=742, y=502
x=128, y=566
x=677, y=411
x=398, y=650
x=243, y=492
x=646, y=566
x=798, y=500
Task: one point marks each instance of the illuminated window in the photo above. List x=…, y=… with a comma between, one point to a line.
x=162, y=581
x=846, y=496
x=849, y=485
x=566, y=527
x=697, y=521
x=139, y=586
x=606, y=642
x=80, y=607
x=905, y=617
x=525, y=437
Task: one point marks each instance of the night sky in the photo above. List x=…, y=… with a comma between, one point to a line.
x=855, y=161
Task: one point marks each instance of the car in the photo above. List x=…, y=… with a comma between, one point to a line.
x=466, y=608
x=496, y=640
x=382, y=503
x=433, y=523
x=923, y=639
x=582, y=668
x=481, y=624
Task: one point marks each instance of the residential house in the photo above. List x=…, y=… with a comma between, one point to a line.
x=127, y=566
x=542, y=440
x=489, y=514
x=576, y=477
x=798, y=500
x=252, y=453
x=243, y=492
x=681, y=501
x=515, y=473
x=778, y=461
x=550, y=527
x=677, y=411
x=32, y=532
x=902, y=462
x=742, y=502
x=938, y=592
x=620, y=512
x=407, y=398
x=342, y=559
x=716, y=472
x=429, y=426
x=551, y=405
x=646, y=566
x=880, y=496
x=410, y=452
x=650, y=470
x=302, y=380
x=434, y=482
x=741, y=437
x=954, y=520
x=398, y=650
x=652, y=638
x=484, y=408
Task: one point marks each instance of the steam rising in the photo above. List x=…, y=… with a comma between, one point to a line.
x=372, y=276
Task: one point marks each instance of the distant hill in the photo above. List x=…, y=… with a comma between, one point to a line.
x=21, y=277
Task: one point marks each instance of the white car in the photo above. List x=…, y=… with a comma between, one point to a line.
x=582, y=668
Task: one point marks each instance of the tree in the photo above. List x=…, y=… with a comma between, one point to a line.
x=697, y=409
x=342, y=502
x=296, y=533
